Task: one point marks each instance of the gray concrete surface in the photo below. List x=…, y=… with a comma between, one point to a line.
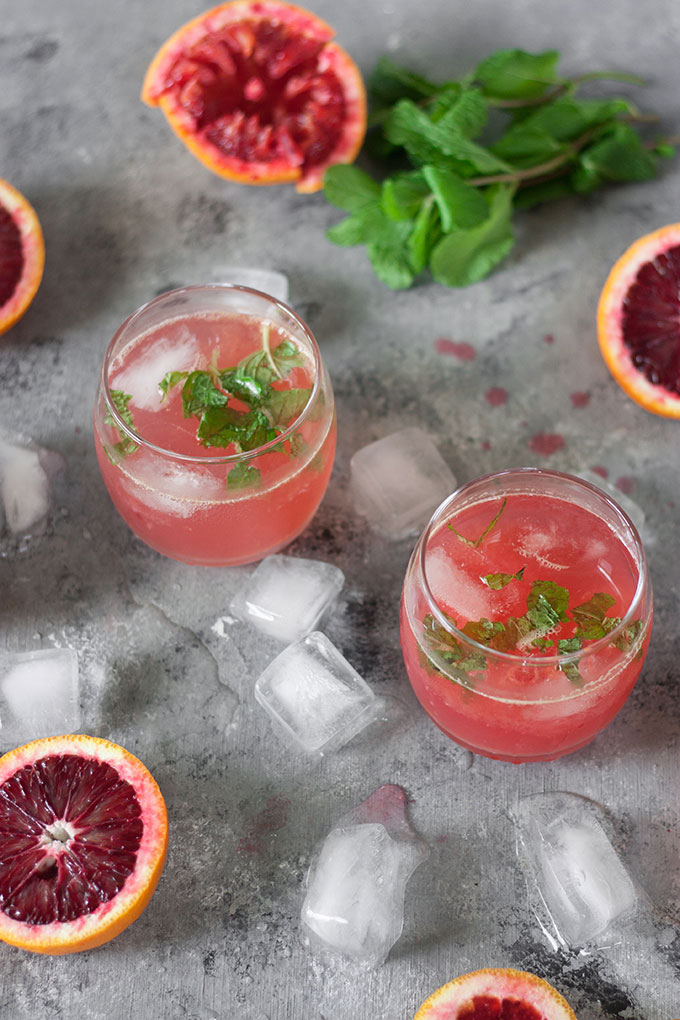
x=127, y=212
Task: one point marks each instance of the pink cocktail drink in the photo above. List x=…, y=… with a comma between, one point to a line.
x=215, y=425
x=526, y=614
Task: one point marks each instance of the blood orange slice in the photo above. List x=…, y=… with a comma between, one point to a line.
x=22, y=255
x=638, y=321
x=496, y=994
x=83, y=839
x=259, y=93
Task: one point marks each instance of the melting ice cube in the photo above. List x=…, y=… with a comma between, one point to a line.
x=39, y=695
x=25, y=483
x=141, y=375
x=314, y=696
x=573, y=868
x=267, y=280
x=356, y=886
x=398, y=481
x=286, y=596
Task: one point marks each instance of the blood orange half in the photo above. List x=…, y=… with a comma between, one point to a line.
x=258, y=92
x=22, y=255
x=83, y=839
x=496, y=994
x=638, y=321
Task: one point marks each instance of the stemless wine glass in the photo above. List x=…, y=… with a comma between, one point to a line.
x=215, y=424
x=526, y=614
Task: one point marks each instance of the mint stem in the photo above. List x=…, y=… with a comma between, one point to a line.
x=268, y=353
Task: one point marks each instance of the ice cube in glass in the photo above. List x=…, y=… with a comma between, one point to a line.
x=399, y=480
x=269, y=281
x=39, y=695
x=573, y=867
x=315, y=696
x=286, y=596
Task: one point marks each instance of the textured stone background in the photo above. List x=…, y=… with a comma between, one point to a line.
x=128, y=213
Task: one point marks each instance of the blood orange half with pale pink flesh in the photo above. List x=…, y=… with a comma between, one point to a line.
x=496, y=994
x=638, y=321
x=260, y=94
x=83, y=840
x=22, y=255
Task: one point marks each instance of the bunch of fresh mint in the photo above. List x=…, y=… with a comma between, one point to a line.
x=509, y=135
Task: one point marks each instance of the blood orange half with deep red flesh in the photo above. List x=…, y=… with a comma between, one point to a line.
x=22, y=255
x=496, y=994
x=83, y=840
x=260, y=94
x=638, y=321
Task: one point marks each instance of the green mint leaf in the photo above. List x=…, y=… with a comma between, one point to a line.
x=484, y=631
x=542, y=642
x=125, y=446
x=390, y=82
x=628, y=636
x=618, y=156
x=459, y=204
x=547, y=191
x=570, y=669
x=589, y=616
x=444, y=142
x=467, y=256
x=476, y=542
x=199, y=393
x=349, y=188
x=284, y=406
x=498, y=581
x=389, y=255
x=425, y=235
x=169, y=380
x=516, y=74
x=664, y=149
x=566, y=645
x=524, y=145
x=243, y=476
x=541, y=613
x=554, y=594
x=566, y=118
x=403, y=195
x=221, y=426
x=245, y=387
x=466, y=111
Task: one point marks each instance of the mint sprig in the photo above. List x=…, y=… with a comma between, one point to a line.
x=125, y=446
x=451, y=210
x=239, y=406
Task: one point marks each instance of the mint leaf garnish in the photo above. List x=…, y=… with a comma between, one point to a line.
x=475, y=543
x=459, y=660
x=498, y=581
x=551, y=593
x=590, y=616
x=449, y=206
x=243, y=476
x=239, y=405
x=628, y=636
x=121, y=400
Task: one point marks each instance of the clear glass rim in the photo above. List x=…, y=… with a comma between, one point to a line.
x=231, y=458
x=510, y=657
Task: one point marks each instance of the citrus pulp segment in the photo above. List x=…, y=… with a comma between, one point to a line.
x=638, y=321
x=22, y=255
x=496, y=994
x=257, y=92
x=83, y=840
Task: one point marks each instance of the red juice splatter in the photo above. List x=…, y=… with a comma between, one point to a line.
x=548, y=338
x=625, y=484
x=496, y=396
x=462, y=351
x=272, y=818
x=486, y=445
x=580, y=398
x=546, y=443
x=597, y=469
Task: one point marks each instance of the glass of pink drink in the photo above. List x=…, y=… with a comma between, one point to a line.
x=526, y=614
x=215, y=424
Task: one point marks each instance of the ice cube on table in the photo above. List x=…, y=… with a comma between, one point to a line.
x=314, y=696
x=399, y=480
x=24, y=484
x=39, y=695
x=286, y=596
x=573, y=869
x=269, y=281
x=356, y=886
